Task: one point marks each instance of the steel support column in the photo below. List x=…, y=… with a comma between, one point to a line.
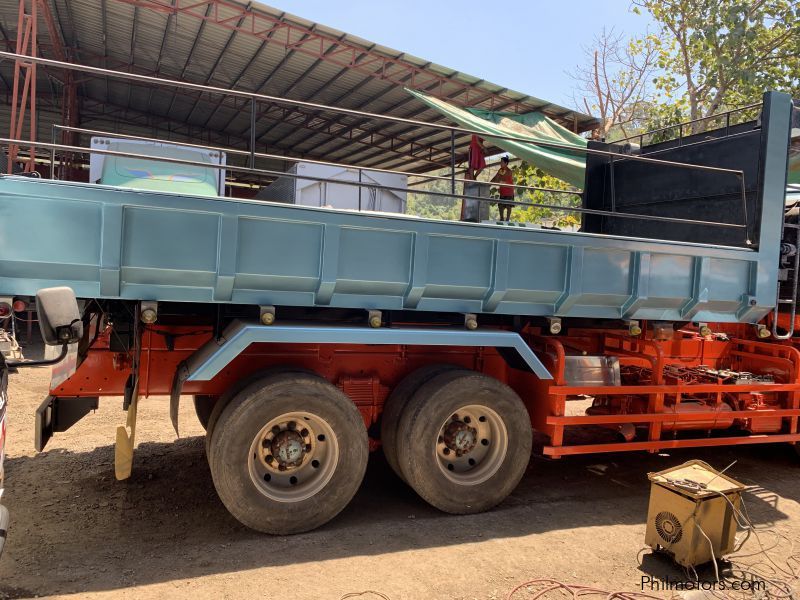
x=23, y=102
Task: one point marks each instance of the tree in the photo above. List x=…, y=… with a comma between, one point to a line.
x=614, y=82
x=718, y=54
x=532, y=176
x=423, y=204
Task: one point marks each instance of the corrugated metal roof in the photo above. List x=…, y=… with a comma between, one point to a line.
x=226, y=43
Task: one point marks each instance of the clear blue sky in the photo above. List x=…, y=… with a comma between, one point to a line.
x=526, y=45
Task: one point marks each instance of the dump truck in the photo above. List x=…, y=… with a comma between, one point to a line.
x=307, y=337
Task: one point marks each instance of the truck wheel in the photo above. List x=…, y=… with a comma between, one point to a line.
x=464, y=441
x=394, y=405
x=237, y=387
x=288, y=453
x=203, y=405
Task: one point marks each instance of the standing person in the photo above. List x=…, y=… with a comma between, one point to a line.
x=504, y=175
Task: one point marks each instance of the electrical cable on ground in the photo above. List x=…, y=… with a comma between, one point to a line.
x=365, y=593
x=551, y=585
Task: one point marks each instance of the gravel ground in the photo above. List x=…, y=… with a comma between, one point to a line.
x=163, y=533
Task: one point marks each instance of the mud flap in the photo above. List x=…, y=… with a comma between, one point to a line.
x=126, y=434
x=181, y=374
x=123, y=449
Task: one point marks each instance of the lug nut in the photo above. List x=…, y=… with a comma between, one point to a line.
x=446, y=451
x=304, y=432
x=292, y=425
x=281, y=467
x=276, y=430
x=270, y=459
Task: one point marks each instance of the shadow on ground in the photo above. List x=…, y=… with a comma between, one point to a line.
x=93, y=533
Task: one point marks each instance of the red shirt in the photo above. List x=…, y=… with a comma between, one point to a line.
x=506, y=176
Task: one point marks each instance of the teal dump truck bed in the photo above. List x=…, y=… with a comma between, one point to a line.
x=115, y=243
x=660, y=241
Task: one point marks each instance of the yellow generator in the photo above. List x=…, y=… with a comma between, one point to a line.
x=691, y=513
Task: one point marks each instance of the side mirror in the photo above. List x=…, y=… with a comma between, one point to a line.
x=59, y=316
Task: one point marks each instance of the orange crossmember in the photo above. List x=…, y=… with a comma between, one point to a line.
x=699, y=388
x=654, y=446
x=768, y=413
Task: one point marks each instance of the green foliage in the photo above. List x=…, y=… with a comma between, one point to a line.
x=425, y=205
x=529, y=175
x=428, y=206
x=718, y=54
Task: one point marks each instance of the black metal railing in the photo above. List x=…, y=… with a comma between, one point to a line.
x=252, y=155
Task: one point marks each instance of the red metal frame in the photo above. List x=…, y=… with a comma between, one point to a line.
x=24, y=97
x=663, y=399
x=23, y=103
x=650, y=400
x=365, y=373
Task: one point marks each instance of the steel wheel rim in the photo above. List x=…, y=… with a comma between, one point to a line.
x=471, y=445
x=293, y=457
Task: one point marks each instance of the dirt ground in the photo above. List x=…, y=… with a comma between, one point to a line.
x=163, y=533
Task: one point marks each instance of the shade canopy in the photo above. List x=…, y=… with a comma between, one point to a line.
x=561, y=162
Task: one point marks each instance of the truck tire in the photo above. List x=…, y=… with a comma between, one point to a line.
x=237, y=387
x=203, y=406
x=464, y=441
x=288, y=453
x=394, y=405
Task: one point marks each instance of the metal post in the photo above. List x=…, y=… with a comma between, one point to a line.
x=611, y=182
x=745, y=216
x=253, y=133
x=359, y=190
x=53, y=153
x=453, y=162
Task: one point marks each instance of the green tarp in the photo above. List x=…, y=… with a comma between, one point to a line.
x=567, y=165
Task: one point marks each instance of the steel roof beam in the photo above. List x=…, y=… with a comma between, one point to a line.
x=395, y=106
x=327, y=127
x=236, y=81
x=132, y=51
x=412, y=115
x=191, y=51
x=313, y=94
x=267, y=79
x=226, y=14
x=213, y=68
x=344, y=94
